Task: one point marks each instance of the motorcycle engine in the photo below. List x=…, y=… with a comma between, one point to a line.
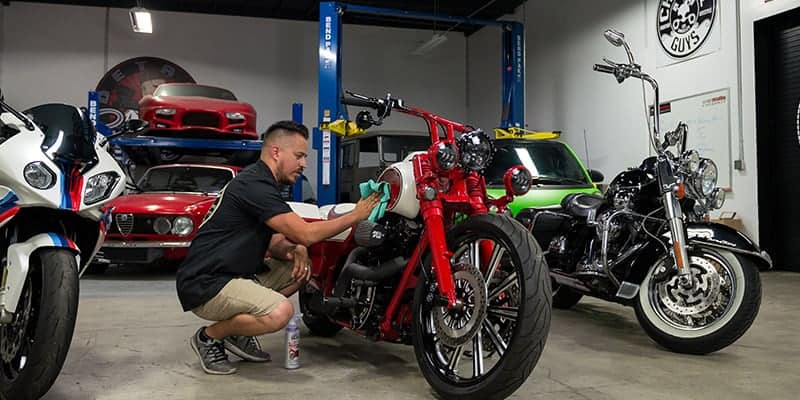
x=371, y=275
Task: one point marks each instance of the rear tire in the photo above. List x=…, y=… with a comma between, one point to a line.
x=52, y=288
x=319, y=325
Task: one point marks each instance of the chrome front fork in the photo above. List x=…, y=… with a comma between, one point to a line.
x=675, y=218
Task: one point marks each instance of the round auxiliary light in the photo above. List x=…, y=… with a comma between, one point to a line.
x=518, y=180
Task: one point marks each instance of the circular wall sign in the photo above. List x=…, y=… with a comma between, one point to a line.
x=123, y=86
x=684, y=25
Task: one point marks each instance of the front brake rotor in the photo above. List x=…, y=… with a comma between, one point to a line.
x=458, y=325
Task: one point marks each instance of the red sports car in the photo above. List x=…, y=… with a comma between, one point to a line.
x=197, y=111
x=158, y=224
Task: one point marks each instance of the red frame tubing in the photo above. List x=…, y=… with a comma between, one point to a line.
x=388, y=332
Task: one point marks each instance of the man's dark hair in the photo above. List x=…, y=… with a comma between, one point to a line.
x=286, y=127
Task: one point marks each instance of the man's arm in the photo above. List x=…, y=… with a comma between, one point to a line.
x=299, y=231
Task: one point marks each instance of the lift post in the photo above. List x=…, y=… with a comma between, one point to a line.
x=330, y=80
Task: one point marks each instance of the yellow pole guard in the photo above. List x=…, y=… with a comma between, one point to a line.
x=519, y=133
x=342, y=127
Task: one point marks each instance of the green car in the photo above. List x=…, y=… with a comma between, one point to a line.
x=556, y=169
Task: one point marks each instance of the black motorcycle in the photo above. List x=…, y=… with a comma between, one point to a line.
x=695, y=285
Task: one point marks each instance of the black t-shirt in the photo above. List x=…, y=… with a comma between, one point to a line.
x=233, y=238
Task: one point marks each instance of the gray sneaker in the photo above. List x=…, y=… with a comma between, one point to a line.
x=246, y=348
x=213, y=358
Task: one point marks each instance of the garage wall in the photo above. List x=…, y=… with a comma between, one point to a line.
x=564, y=40
x=2, y=25
x=59, y=53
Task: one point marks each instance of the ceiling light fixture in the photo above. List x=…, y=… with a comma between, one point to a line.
x=425, y=48
x=141, y=21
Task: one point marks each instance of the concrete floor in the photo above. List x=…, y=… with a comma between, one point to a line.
x=131, y=343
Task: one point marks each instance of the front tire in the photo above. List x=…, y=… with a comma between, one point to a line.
x=500, y=345
x=707, y=318
x=34, y=346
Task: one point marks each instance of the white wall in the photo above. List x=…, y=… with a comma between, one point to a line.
x=564, y=40
x=2, y=28
x=57, y=53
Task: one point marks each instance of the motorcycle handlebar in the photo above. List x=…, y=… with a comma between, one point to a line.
x=604, y=68
x=350, y=101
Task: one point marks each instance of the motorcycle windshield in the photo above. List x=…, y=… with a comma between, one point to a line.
x=69, y=135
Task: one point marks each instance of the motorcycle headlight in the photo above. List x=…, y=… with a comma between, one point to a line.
x=476, y=150
x=445, y=155
x=706, y=178
x=182, y=226
x=166, y=112
x=691, y=161
x=717, y=198
x=38, y=175
x=236, y=116
x=99, y=187
x=162, y=225
x=518, y=180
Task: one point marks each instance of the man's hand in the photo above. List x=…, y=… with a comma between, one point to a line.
x=302, y=264
x=364, y=207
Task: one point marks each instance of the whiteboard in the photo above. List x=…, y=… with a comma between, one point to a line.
x=707, y=115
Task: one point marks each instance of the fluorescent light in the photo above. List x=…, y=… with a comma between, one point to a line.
x=141, y=21
x=433, y=42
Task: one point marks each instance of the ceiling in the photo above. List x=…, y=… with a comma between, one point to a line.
x=308, y=10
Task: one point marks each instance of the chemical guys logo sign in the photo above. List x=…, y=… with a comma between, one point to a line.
x=684, y=25
x=123, y=86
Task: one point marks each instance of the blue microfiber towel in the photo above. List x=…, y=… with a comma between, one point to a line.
x=369, y=187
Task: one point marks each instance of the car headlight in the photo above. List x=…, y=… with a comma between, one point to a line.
x=234, y=116
x=476, y=150
x=182, y=226
x=162, y=225
x=691, y=161
x=445, y=155
x=38, y=175
x=518, y=180
x=166, y=111
x=717, y=198
x=706, y=178
x=99, y=187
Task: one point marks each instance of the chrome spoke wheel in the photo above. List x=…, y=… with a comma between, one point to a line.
x=701, y=305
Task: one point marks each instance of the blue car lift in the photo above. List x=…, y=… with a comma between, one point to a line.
x=330, y=81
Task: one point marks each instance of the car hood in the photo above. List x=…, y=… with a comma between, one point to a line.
x=162, y=203
x=197, y=102
x=538, y=197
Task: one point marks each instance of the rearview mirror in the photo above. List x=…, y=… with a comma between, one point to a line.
x=364, y=120
x=596, y=176
x=614, y=37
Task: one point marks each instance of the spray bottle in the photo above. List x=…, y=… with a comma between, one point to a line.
x=292, y=344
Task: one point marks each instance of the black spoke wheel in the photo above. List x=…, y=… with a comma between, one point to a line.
x=487, y=346
x=34, y=345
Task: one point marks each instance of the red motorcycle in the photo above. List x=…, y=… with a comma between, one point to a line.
x=445, y=269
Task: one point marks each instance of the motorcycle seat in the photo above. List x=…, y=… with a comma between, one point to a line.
x=583, y=205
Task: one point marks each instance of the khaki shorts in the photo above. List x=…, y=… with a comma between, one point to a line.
x=246, y=296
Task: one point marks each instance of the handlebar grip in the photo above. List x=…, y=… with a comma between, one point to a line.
x=604, y=68
x=350, y=101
